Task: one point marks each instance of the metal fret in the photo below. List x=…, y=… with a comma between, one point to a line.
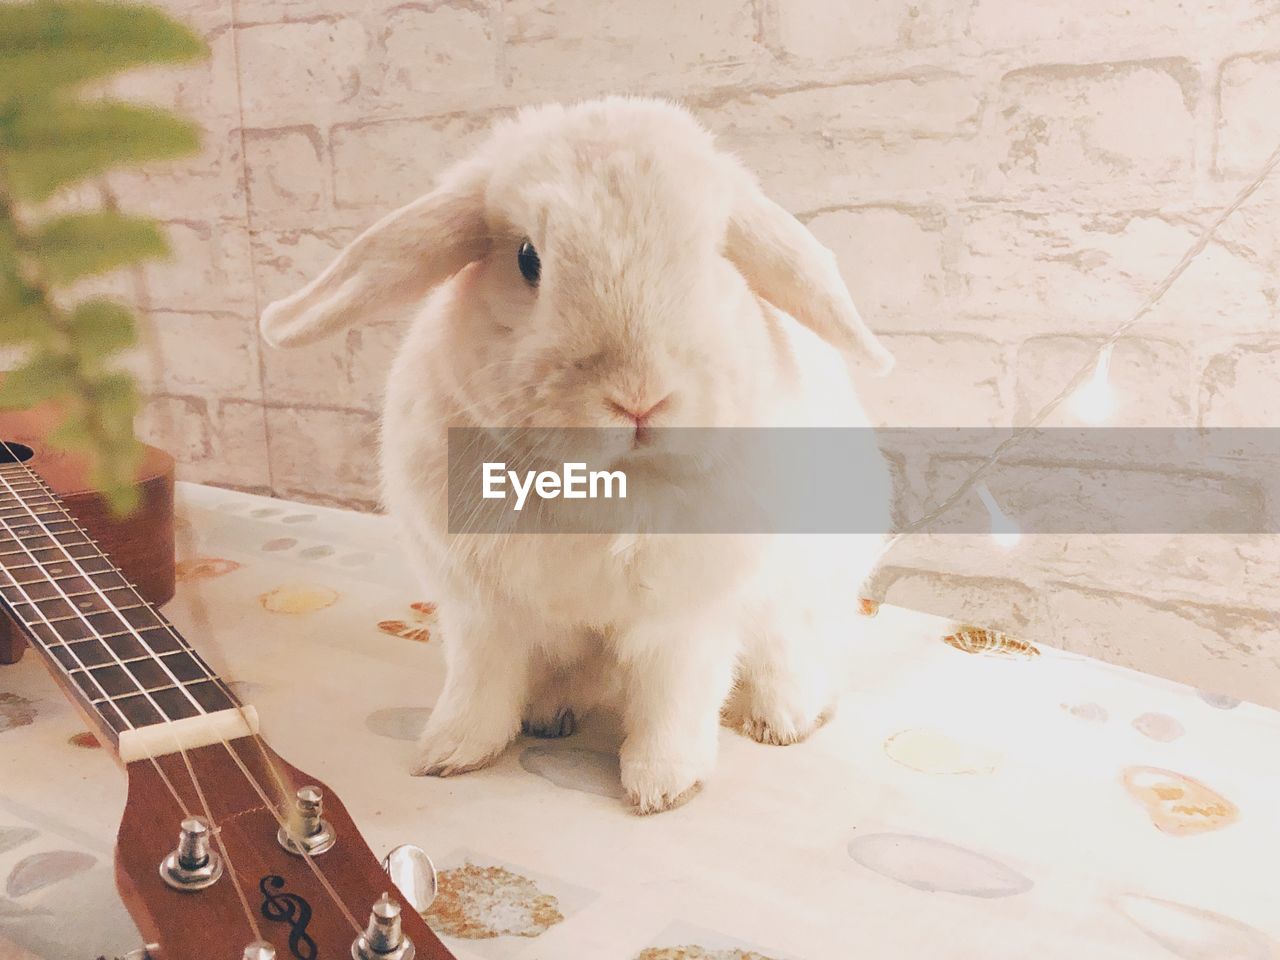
x=77, y=616
x=129, y=663
x=156, y=689
x=205, y=674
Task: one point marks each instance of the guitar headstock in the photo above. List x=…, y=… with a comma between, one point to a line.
x=305, y=907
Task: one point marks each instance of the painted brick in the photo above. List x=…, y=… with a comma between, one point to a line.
x=1128, y=122
x=1077, y=23
x=205, y=90
x=222, y=442
x=300, y=72
x=208, y=268
x=561, y=45
x=429, y=52
x=200, y=354
x=1149, y=379
x=982, y=218
x=324, y=455
x=892, y=258
x=820, y=30
x=287, y=173
x=388, y=163
x=1228, y=570
x=285, y=261
x=1056, y=271
x=210, y=183
x=346, y=370
x=992, y=602
x=963, y=372
x=1248, y=124
x=1124, y=494
x=1241, y=387
x=853, y=144
x=1214, y=648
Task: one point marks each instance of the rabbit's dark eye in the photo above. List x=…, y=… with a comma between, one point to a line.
x=530, y=265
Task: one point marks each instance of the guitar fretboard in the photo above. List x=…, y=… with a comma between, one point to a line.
x=121, y=656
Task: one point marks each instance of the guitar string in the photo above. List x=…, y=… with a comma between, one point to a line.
x=268, y=760
x=214, y=828
x=43, y=620
x=306, y=856
x=143, y=301
x=81, y=665
x=253, y=782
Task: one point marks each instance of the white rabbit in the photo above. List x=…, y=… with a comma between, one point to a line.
x=604, y=265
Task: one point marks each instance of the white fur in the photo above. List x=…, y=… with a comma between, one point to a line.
x=664, y=271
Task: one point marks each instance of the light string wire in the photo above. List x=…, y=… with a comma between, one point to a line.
x=1082, y=374
x=137, y=634
x=42, y=620
x=196, y=601
x=210, y=676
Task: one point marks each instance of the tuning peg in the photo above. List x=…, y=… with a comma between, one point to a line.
x=193, y=865
x=383, y=939
x=308, y=830
x=412, y=871
x=259, y=950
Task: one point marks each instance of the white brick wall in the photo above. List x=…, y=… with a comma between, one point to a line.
x=1002, y=182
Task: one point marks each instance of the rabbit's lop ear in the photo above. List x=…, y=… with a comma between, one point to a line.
x=389, y=266
x=786, y=265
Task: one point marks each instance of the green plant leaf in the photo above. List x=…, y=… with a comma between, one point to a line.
x=113, y=476
x=56, y=142
x=72, y=433
x=115, y=402
x=42, y=377
x=82, y=245
x=98, y=328
x=49, y=43
x=23, y=323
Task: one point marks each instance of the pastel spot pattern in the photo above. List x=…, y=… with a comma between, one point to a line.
x=991, y=643
x=936, y=866
x=204, y=568
x=1193, y=933
x=298, y=598
x=577, y=768
x=934, y=751
x=478, y=902
x=1089, y=712
x=422, y=617
x=695, y=952
x=42, y=870
x=1178, y=804
x=1158, y=726
x=15, y=711
x=971, y=779
x=398, y=723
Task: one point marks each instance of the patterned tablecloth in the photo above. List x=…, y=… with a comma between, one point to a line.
x=974, y=797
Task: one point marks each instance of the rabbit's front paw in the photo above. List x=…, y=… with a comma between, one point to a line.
x=461, y=745
x=778, y=719
x=659, y=777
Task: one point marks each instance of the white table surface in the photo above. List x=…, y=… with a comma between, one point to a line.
x=960, y=805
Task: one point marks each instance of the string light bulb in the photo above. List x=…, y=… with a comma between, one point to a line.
x=1003, y=530
x=1095, y=401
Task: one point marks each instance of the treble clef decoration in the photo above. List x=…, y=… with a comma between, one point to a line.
x=291, y=909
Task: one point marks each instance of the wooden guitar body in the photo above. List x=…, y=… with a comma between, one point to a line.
x=224, y=849
x=293, y=902
x=141, y=544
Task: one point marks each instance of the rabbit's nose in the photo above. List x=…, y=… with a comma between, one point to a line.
x=638, y=413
